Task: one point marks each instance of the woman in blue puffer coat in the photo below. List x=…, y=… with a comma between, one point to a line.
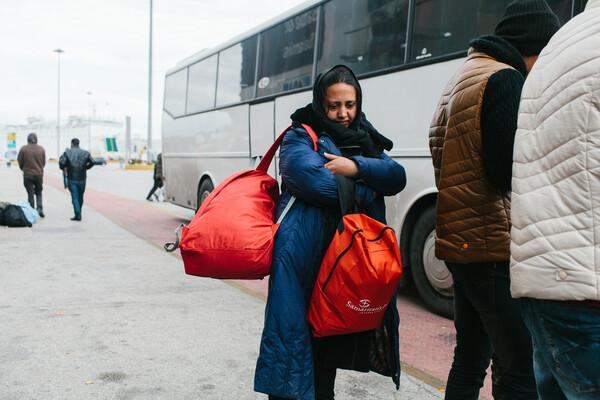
x=292, y=363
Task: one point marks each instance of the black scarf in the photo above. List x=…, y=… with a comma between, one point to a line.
x=359, y=134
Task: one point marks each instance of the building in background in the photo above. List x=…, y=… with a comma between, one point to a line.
x=98, y=130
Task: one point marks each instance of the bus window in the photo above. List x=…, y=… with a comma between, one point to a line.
x=175, y=85
x=201, y=85
x=236, y=72
x=365, y=35
x=286, y=55
x=440, y=27
x=562, y=8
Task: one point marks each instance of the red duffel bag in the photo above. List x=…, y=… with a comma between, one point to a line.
x=359, y=273
x=232, y=234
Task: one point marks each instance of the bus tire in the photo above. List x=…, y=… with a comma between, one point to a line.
x=430, y=275
x=205, y=188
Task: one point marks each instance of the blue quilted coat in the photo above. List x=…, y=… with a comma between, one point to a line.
x=285, y=367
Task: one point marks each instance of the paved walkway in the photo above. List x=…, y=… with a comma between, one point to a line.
x=90, y=310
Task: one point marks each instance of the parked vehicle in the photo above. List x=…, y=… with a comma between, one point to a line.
x=99, y=160
x=224, y=106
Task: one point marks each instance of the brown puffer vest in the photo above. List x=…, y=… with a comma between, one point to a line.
x=472, y=216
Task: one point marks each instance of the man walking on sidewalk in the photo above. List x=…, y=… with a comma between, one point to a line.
x=76, y=161
x=471, y=138
x=32, y=159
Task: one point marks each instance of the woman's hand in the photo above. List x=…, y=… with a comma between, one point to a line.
x=341, y=165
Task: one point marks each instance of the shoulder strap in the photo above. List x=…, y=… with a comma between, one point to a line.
x=346, y=192
x=172, y=246
x=312, y=135
x=266, y=161
x=268, y=157
x=286, y=209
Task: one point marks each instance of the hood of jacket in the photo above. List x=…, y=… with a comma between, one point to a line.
x=32, y=138
x=501, y=50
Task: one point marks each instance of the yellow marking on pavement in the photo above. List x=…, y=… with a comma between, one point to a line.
x=245, y=289
x=423, y=376
x=137, y=166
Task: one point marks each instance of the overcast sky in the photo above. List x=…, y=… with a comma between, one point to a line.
x=105, y=45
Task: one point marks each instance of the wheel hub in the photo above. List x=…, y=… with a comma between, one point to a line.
x=438, y=275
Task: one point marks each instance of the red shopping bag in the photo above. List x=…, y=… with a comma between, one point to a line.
x=232, y=234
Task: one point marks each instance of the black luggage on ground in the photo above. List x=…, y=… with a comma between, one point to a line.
x=13, y=216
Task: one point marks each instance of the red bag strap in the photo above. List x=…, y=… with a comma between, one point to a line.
x=312, y=135
x=268, y=157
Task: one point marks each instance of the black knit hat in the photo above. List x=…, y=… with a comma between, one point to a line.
x=528, y=25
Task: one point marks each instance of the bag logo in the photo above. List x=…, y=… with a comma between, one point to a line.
x=364, y=307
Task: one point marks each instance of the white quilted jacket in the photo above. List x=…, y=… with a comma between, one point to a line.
x=555, y=248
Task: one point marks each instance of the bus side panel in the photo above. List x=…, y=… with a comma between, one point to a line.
x=401, y=104
x=262, y=132
x=179, y=171
x=286, y=105
x=215, y=141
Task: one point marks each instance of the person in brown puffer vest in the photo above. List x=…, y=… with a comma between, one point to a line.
x=32, y=159
x=471, y=140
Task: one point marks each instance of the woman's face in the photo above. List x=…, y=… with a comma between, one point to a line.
x=340, y=103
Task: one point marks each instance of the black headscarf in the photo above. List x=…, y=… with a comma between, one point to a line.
x=359, y=134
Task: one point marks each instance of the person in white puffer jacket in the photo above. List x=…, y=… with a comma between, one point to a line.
x=555, y=247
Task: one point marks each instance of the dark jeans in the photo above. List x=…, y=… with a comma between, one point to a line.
x=489, y=325
x=158, y=183
x=76, y=188
x=566, y=355
x=33, y=185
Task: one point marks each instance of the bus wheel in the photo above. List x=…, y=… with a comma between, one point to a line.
x=432, y=279
x=206, y=186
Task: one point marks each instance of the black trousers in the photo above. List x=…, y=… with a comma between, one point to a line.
x=324, y=376
x=489, y=326
x=158, y=183
x=33, y=185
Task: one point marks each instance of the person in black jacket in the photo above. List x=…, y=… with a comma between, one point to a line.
x=158, y=178
x=76, y=162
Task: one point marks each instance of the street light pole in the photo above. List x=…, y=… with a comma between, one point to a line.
x=150, y=88
x=58, y=52
x=89, y=121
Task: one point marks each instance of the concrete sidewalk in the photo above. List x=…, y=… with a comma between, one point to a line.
x=91, y=311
